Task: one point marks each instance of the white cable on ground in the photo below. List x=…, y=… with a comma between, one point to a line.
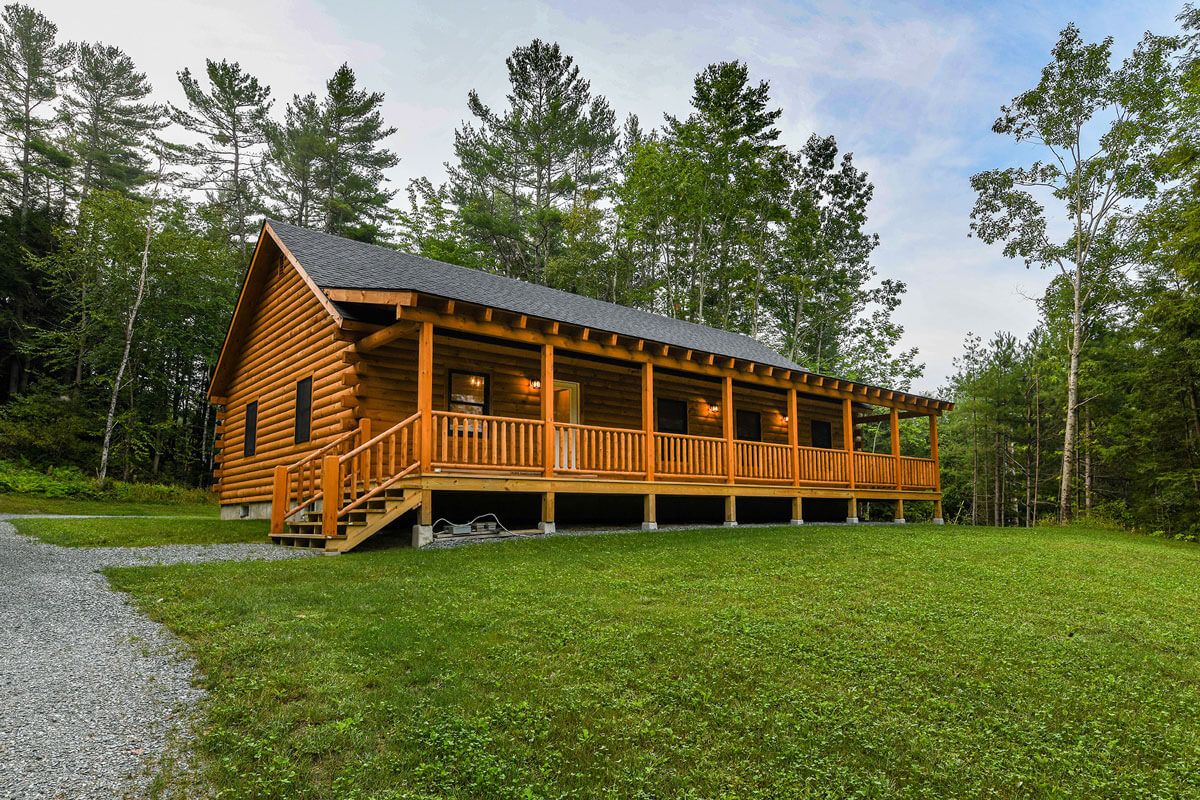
x=499, y=524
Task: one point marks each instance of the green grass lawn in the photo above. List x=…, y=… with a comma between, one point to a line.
x=141, y=532
x=19, y=503
x=914, y=662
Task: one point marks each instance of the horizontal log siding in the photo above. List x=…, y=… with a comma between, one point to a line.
x=290, y=337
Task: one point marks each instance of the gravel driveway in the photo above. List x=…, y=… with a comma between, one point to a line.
x=89, y=688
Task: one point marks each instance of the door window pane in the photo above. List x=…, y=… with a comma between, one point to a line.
x=822, y=434
x=468, y=392
x=749, y=426
x=672, y=416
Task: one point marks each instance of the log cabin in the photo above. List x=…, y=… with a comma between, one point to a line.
x=357, y=385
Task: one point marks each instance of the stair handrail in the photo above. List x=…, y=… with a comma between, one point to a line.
x=359, y=475
x=282, y=506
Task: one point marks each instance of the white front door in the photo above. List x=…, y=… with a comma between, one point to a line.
x=566, y=409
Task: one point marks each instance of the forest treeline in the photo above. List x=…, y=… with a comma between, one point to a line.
x=127, y=225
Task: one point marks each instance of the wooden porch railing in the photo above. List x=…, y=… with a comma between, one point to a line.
x=763, y=461
x=875, y=469
x=821, y=465
x=298, y=486
x=485, y=442
x=588, y=448
x=680, y=455
x=918, y=473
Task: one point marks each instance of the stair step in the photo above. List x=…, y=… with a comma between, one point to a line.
x=294, y=535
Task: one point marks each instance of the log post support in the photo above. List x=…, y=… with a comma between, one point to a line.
x=422, y=532
x=649, y=512
x=549, y=451
x=727, y=426
x=797, y=510
x=547, y=523
x=895, y=425
x=425, y=393
x=730, y=511
x=331, y=494
x=648, y=420
x=937, y=470
x=364, y=458
x=279, y=493
x=848, y=446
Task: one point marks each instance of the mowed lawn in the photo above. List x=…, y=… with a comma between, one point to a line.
x=815, y=662
x=140, y=532
x=21, y=503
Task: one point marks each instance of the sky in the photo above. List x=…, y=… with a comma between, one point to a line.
x=911, y=89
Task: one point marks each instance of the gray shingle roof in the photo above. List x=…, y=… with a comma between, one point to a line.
x=337, y=263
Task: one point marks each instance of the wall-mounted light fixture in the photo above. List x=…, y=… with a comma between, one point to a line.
x=535, y=383
x=714, y=409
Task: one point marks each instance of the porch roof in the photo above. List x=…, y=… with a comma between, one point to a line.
x=336, y=263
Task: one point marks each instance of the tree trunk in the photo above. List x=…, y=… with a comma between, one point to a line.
x=1065, y=494
x=110, y=421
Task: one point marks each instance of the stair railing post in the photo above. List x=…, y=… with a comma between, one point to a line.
x=279, y=498
x=331, y=494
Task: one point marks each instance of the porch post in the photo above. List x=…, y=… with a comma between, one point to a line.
x=425, y=393
x=547, y=523
x=649, y=512
x=422, y=533
x=937, y=470
x=794, y=437
x=548, y=449
x=848, y=446
x=895, y=420
x=727, y=423
x=279, y=498
x=648, y=423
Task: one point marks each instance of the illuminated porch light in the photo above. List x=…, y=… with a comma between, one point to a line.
x=713, y=408
x=535, y=383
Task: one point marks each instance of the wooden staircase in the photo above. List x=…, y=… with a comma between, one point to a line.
x=354, y=528
x=362, y=473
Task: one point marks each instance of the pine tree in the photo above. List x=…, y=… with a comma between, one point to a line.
x=520, y=172
x=108, y=119
x=231, y=118
x=353, y=160
x=31, y=64
x=291, y=178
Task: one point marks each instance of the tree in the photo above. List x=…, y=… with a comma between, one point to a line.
x=291, y=178
x=520, y=172
x=353, y=161
x=31, y=63
x=109, y=120
x=231, y=119
x=1097, y=127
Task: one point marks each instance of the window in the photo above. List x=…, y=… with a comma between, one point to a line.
x=468, y=392
x=250, y=440
x=672, y=415
x=303, y=410
x=822, y=434
x=749, y=425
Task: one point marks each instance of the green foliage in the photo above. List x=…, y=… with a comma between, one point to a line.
x=828, y=662
x=70, y=482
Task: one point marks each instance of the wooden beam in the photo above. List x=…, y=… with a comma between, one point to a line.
x=727, y=428
x=486, y=316
x=583, y=335
x=425, y=393
x=548, y=438
x=793, y=436
x=520, y=322
x=380, y=297
x=612, y=340
x=648, y=417
x=385, y=336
